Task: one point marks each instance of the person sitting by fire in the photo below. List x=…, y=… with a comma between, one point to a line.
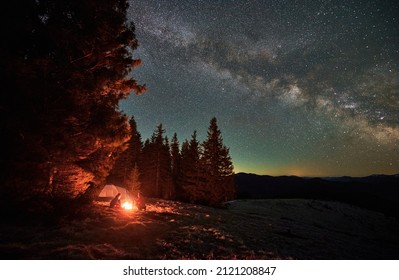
x=140, y=203
x=116, y=201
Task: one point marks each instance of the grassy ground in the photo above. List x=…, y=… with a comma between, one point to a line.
x=253, y=229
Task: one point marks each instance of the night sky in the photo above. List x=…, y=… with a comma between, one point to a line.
x=307, y=88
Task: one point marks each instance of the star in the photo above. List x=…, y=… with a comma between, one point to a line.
x=288, y=82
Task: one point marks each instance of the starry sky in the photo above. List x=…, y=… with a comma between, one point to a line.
x=299, y=87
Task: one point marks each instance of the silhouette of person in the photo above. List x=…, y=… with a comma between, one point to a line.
x=116, y=201
x=140, y=203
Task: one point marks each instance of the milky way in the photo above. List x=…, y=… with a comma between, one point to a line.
x=306, y=88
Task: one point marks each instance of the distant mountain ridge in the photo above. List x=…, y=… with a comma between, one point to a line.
x=375, y=192
x=373, y=179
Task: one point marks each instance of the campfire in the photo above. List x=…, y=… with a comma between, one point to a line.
x=127, y=205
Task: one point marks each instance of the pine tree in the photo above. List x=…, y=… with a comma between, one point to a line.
x=148, y=168
x=191, y=171
x=65, y=68
x=218, y=167
x=167, y=187
x=176, y=166
x=156, y=176
x=132, y=182
x=128, y=160
x=181, y=192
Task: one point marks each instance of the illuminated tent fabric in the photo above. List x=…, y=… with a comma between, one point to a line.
x=110, y=191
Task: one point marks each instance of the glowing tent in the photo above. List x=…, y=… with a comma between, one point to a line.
x=110, y=191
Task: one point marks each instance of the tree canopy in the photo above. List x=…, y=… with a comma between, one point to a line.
x=197, y=173
x=65, y=67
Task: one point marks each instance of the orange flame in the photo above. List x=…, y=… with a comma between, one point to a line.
x=127, y=205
